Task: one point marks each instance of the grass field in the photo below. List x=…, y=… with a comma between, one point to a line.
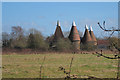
x=28, y=65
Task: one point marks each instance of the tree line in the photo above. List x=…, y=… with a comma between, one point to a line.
x=33, y=39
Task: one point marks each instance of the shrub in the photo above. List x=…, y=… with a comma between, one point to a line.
x=63, y=45
x=88, y=47
x=114, y=41
x=36, y=41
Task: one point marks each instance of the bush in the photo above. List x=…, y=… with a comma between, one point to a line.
x=36, y=41
x=63, y=45
x=20, y=42
x=113, y=41
x=88, y=47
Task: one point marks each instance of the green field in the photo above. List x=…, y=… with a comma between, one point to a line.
x=28, y=65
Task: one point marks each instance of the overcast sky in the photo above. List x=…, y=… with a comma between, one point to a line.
x=43, y=16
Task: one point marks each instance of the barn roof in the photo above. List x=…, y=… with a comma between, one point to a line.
x=103, y=42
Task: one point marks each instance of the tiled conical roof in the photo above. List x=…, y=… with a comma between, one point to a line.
x=86, y=38
x=74, y=35
x=58, y=32
x=92, y=34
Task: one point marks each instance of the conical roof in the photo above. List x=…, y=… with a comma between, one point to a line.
x=74, y=35
x=86, y=37
x=58, y=32
x=92, y=34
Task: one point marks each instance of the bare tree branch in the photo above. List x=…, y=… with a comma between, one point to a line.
x=116, y=47
x=111, y=34
x=100, y=54
x=103, y=28
x=112, y=30
x=71, y=63
x=117, y=56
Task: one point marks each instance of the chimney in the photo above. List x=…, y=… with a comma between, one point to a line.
x=86, y=38
x=93, y=36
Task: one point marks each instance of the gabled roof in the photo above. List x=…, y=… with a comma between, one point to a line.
x=74, y=35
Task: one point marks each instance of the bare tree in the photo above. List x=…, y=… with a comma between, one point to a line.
x=104, y=28
x=117, y=56
x=112, y=30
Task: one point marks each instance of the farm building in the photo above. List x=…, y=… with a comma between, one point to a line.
x=93, y=36
x=74, y=36
x=87, y=37
x=103, y=44
x=58, y=33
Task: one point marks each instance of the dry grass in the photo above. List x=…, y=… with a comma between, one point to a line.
x=28, y=65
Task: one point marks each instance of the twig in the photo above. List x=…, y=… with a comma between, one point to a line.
x=68, y=75
x=103, y=28
x=111, y=34
x=116, y=48
x=100, y=54
x=71, y=63
x=42, y=67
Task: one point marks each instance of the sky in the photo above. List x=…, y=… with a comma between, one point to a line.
x=43, y=16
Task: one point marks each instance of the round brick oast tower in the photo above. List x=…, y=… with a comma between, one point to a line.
x=74, y=36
